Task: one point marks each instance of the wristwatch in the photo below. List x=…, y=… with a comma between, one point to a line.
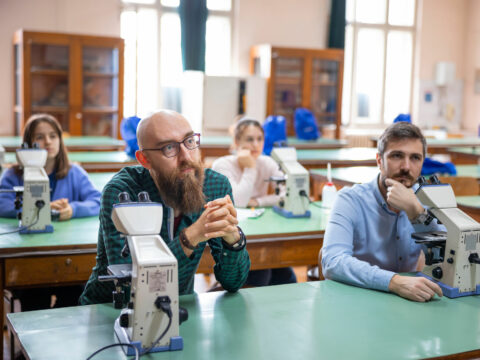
x=421, y=218
x=239, y=245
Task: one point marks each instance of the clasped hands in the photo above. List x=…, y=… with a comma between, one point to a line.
x=218, y=220
x=63, y=208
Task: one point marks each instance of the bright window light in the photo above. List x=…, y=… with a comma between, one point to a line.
x=128, y=21
x=370, y=11
x=171, y=51
x=218, y=39
x=222, y=5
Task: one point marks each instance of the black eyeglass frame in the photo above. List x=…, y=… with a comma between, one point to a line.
x=177, y=144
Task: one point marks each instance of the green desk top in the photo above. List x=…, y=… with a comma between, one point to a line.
x=100, y=179
x=226, y=141
x=317, y=320
x=84, y=231
x=118, y=157
x=473, y=201
x=466, y=150
x=71, y=141
x=346, y=154
x=449, y=142
x=363, y=174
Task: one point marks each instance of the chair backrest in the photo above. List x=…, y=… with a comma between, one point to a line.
x=462, y=185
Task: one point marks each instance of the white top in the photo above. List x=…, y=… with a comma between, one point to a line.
x=250, y=182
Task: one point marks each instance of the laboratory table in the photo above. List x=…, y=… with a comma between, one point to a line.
x=73, y=143
x=465, y=155
x=359, y=156
x=93, y=161
x=67, y=255
x=315, y=320
x=440, y=146
x=216, y=146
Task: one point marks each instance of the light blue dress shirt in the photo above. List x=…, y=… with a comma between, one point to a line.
x=365, y=243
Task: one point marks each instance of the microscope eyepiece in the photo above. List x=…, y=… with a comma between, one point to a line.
x=434, y=180
x=24, y=145
x=421, y=180
x=123, y=197
x=143, y=197
x=35, y=146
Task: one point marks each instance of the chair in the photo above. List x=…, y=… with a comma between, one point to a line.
x=462, y=185
x=315, y=273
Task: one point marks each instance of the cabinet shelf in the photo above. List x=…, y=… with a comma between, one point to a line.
x=56, y=72
x=49, y=108
x=100, y=109
x=99, y=74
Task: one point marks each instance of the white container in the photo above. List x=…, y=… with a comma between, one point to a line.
x=329, y=194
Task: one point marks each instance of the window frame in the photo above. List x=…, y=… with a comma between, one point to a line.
x=160, y=10
x=356, y=26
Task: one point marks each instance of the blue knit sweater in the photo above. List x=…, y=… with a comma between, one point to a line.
x=82, y=196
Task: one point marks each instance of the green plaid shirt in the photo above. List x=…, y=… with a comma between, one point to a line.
x=231, y=267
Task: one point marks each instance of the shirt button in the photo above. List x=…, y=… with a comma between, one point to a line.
x=398, y=237
x=400, y=258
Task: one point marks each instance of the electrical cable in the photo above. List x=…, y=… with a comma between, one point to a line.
x=113, y=345
x=24, y=227
x=304, y=194
x=164, y=305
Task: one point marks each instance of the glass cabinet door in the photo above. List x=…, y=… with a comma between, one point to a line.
x=324, y=90
x=49, y=76
x=100, y=91
x=288, y=86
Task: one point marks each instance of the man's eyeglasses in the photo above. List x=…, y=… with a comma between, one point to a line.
x=172, y=149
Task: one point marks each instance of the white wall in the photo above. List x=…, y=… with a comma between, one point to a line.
x=91, y=17
x=288, y=23
x=472, y=63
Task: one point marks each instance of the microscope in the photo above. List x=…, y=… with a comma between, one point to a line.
x=35, y=216
x=452, y=258
x=151, y=320
x=296, y=201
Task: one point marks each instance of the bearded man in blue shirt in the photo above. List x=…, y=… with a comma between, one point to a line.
x=368, y=236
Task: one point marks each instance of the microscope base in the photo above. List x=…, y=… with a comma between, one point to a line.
x=289, y=214
x=176, y=342
x=48, y=229
x=449, y=291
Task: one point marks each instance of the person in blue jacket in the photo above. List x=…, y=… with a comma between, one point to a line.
x=72, y=194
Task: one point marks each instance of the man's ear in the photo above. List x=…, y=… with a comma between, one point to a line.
x=142, y=159
x=379, y=160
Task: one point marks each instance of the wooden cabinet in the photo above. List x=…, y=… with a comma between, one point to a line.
x=76, y=78
x=306, y=78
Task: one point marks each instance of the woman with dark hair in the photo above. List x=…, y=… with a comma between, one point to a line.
x=72, y=192
x=247, y=172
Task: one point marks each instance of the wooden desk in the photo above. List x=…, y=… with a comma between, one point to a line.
x=73, y=143
x=68, y=254
x=316, y=320
x=337, y=157
x=470, y=205
x=104, y=161
x=349, y=176
x=440, y=146
x=216, y=146
x=465, y=155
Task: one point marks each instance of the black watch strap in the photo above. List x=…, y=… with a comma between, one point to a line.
x=239, y=245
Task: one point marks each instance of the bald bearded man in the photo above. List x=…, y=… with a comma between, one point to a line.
x=198, y=208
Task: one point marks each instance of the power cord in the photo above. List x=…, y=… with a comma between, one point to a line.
x=137, y=356
x=304, y=194
x=162, y=303
x=37, y=217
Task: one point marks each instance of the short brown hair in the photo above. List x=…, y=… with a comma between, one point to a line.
x=62, y=164
x=400, y=131
x=242, y=124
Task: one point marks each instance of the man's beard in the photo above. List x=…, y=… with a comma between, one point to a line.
x=182, y=191
x=407, y=178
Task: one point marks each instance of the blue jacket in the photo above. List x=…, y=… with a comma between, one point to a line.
x=82, y=196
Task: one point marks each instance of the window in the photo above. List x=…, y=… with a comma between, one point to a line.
x=379, y=53
x=153, y=55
